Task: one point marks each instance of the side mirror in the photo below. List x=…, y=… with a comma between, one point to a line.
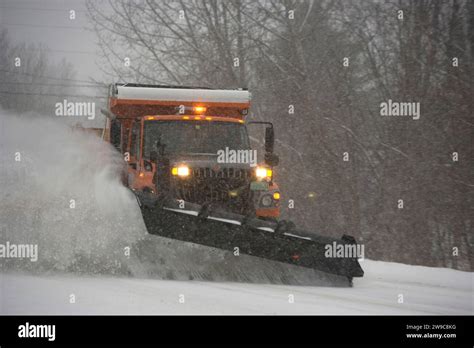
x=153, y=156
x=269, y=139
x=271, y=159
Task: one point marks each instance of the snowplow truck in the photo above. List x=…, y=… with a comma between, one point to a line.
x=196, y=178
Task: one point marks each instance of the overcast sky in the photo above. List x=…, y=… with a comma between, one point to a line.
x=47, y=22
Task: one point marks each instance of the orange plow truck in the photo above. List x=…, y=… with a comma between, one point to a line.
x=196, y=178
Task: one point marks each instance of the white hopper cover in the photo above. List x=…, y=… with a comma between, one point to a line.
x=183, y=94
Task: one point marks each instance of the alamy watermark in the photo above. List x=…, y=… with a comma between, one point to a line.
x=75, y=109
x=237, y=156
x=28, y=330
x=393, y=108
x=20, y=251
x=344, y=250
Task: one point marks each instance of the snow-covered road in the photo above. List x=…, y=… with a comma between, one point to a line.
x=424, y=290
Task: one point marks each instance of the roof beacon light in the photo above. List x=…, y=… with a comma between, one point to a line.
x=200, y=109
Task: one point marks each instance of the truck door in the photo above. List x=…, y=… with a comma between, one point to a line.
x=134, y=163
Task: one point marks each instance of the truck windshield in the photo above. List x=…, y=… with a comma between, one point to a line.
x=194, y=137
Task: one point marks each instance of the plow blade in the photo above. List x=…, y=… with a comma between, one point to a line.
x=224, y=230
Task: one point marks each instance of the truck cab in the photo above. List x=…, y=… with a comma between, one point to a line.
x=192, y=144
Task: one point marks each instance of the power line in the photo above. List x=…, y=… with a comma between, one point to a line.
x=41, y=9
x=52, y=95
x=62, y=51
x=43, y=76
x=43, y=26
x=52, y=84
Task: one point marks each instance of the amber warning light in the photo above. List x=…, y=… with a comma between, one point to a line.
x=199, y=109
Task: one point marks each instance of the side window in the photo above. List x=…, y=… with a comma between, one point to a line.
x=115, y=132
x=125, y=135
x=135, y=141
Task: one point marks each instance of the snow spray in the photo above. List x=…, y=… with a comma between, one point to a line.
x=61, y=191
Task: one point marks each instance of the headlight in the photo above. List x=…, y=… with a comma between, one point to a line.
x=262, y=173
x=181, y=171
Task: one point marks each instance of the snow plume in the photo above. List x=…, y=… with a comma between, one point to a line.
x=61, y=191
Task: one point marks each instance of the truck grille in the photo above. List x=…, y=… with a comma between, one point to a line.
x=222, y=173
x=214, y=186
